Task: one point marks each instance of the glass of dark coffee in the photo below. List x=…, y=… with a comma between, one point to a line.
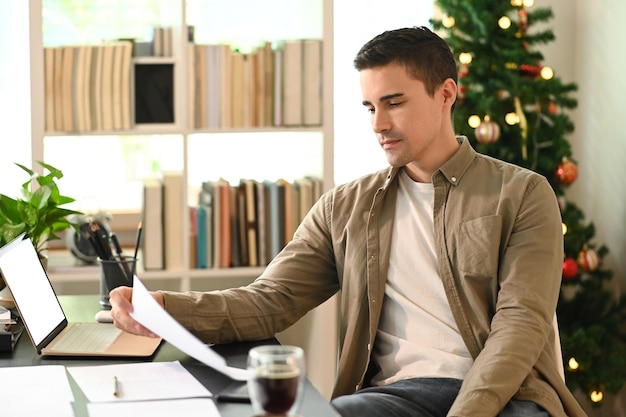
x=276, y=382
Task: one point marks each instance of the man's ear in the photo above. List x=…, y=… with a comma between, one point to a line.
x=449, y=90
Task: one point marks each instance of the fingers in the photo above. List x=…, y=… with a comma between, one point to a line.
x=121, y=307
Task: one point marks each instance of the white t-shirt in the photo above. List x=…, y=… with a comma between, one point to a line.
x=417, y=335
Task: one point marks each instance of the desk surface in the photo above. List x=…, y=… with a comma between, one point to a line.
x=83, y=307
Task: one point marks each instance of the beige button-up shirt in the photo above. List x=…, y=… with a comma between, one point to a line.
x=498, y=235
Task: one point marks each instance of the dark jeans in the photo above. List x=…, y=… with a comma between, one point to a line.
x=418, y=397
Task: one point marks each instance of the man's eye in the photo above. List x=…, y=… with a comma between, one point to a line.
x=370, y=110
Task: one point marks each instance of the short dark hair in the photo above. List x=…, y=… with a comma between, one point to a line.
x=427, y=57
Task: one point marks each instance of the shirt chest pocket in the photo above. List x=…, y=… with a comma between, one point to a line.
x=478, y=247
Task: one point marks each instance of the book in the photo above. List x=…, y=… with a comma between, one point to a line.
x=173, y=204
x=204, y=246
x=262, y=220
x=167, y=41
x=214, y=85
x=78, y=97
x=225, y=225
x=96, y=87
x=237, y=89
x=49, y=88
x=266, y=68
x=277, y=90
x=106, y=86
x=67, y=86
x=305, y=194
x=125, y=92
x=250, y=221
x=239, y=241
x=312, y=82
x=250, y=93
x=152, y=243
x=226, y=92
x=292, y=83
x=58, y=88
x=192, y=237
x=157, y=41
x=201, y=88
x=191, y=85
x=216, y=234
x=288, y=210
x=116, y=85
x=87, y=68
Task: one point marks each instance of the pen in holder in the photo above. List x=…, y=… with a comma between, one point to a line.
x=114, y=273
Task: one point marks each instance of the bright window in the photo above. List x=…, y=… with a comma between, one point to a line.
x=356, y=150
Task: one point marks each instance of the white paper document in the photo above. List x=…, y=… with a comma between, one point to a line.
x=137, y=382
x=49, y=382
x=194, y=407
x=151, y=315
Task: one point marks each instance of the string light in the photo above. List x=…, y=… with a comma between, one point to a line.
x=547, y=73
x=448, y=22
x=528, y=3
x=474, y=121
x=516, y=3
x=572, y=364
x=564, y=232
x=465, y=58
x=596, y=396
x=504, y=22
x=511, y=118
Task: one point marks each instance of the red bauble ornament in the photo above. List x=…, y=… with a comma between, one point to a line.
x=530, y=70
x=570, y=268
x=588, y=259
x=487, y=132
x=553, y=109
x=567, y=172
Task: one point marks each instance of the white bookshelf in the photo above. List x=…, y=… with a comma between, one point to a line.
x=318, y=141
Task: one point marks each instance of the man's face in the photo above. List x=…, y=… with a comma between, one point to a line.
x=406, y=119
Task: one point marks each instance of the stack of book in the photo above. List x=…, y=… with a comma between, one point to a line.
x=233, y=225
x=87, y=87
x=268, y=86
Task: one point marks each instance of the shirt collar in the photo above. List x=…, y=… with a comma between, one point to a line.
x=454, y=168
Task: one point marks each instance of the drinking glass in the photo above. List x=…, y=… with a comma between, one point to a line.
x=276, y=382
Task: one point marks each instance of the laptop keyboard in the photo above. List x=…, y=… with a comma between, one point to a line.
x=87, y=337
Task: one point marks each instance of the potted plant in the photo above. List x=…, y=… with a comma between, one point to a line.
x=38, y=211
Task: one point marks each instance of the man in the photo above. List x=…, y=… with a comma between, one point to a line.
x=449, y=263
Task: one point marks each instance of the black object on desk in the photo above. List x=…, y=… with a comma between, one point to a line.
x=83, y=308
x=10, y=332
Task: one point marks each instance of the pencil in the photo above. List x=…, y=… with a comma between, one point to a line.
x=137, y=244
x=116, y=388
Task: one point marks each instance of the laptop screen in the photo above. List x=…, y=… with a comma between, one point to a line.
x=32, y=291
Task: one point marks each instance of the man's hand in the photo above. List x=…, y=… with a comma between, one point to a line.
x=121, y=307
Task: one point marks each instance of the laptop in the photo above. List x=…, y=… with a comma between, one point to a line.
x=44, y=319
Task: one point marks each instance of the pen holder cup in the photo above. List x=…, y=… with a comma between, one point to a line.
x=114, y=273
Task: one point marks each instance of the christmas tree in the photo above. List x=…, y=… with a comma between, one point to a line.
x=512, y=107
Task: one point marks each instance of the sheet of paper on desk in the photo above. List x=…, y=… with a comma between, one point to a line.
x=48, y=383
x=152, y=316
x=137, y=382
x=194, y=407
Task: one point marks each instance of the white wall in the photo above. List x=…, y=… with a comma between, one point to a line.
x=589, y=38
x=588, y=50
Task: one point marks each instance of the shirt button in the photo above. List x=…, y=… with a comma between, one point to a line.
x=453, y=179
x=369, y=347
